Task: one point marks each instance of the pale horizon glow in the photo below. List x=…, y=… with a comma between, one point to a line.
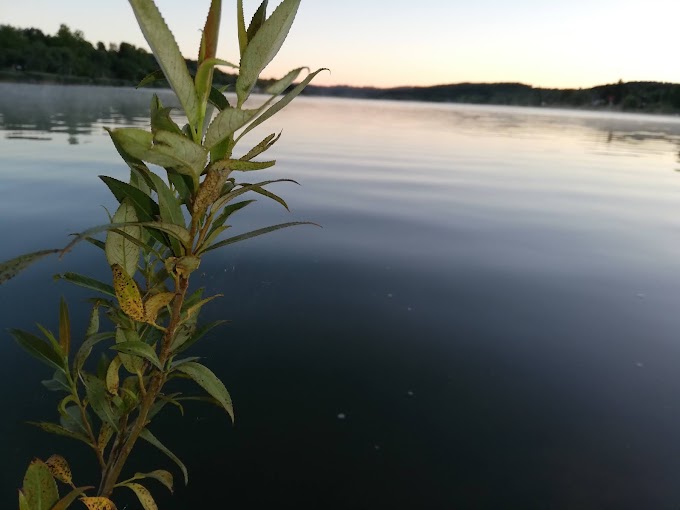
x=384, y=43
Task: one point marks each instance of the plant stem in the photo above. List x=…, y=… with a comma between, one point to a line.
x=117, y=462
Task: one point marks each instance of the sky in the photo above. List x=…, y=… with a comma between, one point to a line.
x=385, y=43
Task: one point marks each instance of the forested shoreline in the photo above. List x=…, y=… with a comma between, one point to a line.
x=29, y=55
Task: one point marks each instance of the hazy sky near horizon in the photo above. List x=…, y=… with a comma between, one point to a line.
x=579, y=43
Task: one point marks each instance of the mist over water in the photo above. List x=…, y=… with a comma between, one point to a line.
x=488, y=318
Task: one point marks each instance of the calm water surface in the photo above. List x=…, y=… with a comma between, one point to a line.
x=489, y=318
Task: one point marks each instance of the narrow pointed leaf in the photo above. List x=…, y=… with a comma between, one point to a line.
x=40, y=489
x=218, y=100
x=261, y=147
x=163, y=476
x=258, y=19
x=105, y=435
x=207, y=380
x=240, y=165
x=119, y=250
x=151, y=78
x=255, y=233
x=39, y=349
x=242, y=33
x=167, y=54
x=211, y=31
x=199, y=333
x=281, y=103
x=64, y=327
x=232, y=194
x=139, y=349
x=281, y=85
x=87, y=282
x=226, y=213
x=113, y=376
x=86, y=348
x=225, y=124
x=97, y=397
x=10, y=268
x=53, y=428
x=57, y=383
x=264, y=46
x=146, y=208
x=65, y=502
x=150, y=438
x=155, y=303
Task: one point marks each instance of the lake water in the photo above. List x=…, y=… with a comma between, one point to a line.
x=489, y=318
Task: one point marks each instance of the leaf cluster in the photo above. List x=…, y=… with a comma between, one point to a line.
x=174, y=208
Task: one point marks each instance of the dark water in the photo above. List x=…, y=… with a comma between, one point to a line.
x=493, y=306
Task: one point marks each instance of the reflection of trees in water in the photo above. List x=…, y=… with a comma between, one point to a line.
x=71, y=109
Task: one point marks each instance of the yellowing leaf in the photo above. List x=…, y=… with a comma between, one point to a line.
x=98, y=503
x=143, y=495
x=112, y=376
x=127, y=292
x=60, y=469
x=105, y=434
x=154, y=304
x=39, y=488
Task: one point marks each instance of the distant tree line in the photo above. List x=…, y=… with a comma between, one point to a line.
x=30, y=55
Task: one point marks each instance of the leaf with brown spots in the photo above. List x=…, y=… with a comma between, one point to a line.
x=12, y=267
x=60, y=469
x=127, y=292
x=98, y=503
x=143, y=495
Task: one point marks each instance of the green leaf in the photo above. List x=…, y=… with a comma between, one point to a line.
x=149, y=437
x=143, y=495
x=204, y=76
x=98, y=399
x=150, y=78
x=281, y=85
x=271, y=195
x=179, y=233
x=230, y=195
x=207, y=380
x=170, y=207
x=261, y=147
x=140, y=349
x=264, y=46
x=40, y=488
x=179, y=347
x=132, y=364
x=10, y=268
x=281, y=103
x=53, y=428
x=242, y=33
x=57, y=383
x=218, y=100
x=255, y=233
x=67, y=500
x=226, y=213
x=72, y=419
x=160, y=118
x=86, y=348
x=240, y=165
x=119, y=250
x=86, y=282
x=163, y=148
x=225, y=124
x=39, y=349
x=170, y=59
x=146, y=208
x=258, y=19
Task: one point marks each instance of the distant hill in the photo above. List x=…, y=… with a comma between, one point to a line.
x=29, y=55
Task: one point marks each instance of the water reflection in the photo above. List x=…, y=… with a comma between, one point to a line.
x=26, y=110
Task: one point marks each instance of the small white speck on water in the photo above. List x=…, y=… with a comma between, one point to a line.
x=410, y=393
x=390, y=296
x=639, y=364
x=640, y=295
x=342, y=416
x=409, y=309
x=376, y=447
